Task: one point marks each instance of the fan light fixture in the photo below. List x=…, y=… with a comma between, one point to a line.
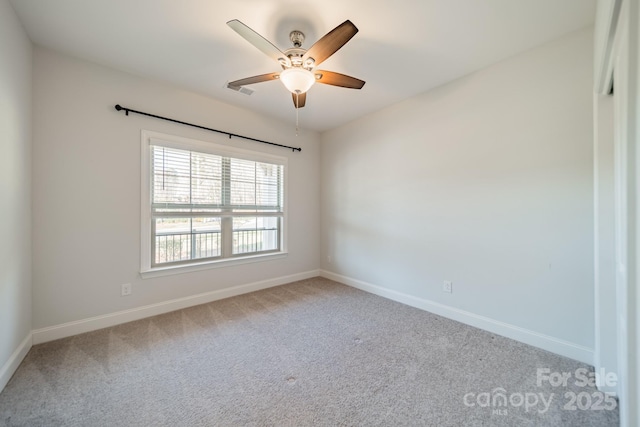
x=299, y=65
x=297, y=80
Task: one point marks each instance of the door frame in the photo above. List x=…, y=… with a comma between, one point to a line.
x=617, y=62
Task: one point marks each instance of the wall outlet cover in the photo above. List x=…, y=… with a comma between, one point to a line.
x=447, y=286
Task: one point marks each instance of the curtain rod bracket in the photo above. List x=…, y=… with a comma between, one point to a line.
x=248, y=138
x=119, y=108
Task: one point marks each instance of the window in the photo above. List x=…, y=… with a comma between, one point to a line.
x=206, y=205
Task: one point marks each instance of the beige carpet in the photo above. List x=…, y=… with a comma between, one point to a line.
x=313, y=352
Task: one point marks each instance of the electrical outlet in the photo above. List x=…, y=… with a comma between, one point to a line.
x=125, y=289
x=329, y=259
x=447, y=286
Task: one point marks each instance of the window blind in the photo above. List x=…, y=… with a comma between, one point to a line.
x=185, y=181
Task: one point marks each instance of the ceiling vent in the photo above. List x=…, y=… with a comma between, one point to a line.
x=240, y=89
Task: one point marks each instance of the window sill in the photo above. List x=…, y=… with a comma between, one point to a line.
x=179, y=269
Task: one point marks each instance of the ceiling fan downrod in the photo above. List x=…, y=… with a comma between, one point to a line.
x=297, y=38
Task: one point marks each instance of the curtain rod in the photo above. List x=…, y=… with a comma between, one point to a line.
x=129, y=110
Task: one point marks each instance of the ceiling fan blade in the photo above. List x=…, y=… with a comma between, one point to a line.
x=260, y=42
x=331, y=42
x=337, y=79
x=255, y=79
x=299, y=99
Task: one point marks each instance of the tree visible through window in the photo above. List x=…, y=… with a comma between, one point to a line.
x=207, y=206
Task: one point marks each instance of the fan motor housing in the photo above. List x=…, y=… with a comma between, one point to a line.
x=295, y=55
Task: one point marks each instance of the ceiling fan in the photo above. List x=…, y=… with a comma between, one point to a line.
x=298, y=64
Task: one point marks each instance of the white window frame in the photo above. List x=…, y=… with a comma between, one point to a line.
x=147, y=139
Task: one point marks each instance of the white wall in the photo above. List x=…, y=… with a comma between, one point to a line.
x=87, y=189
x=15, y=190
x=487, y=182
x=604, y=244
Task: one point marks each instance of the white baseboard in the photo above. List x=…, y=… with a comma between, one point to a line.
x=9, y=368
x=91, y=324
x=545, y=342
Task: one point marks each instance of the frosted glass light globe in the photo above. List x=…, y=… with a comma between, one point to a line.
x=297, y=80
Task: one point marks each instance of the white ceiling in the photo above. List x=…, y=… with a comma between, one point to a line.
x=404, y=47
